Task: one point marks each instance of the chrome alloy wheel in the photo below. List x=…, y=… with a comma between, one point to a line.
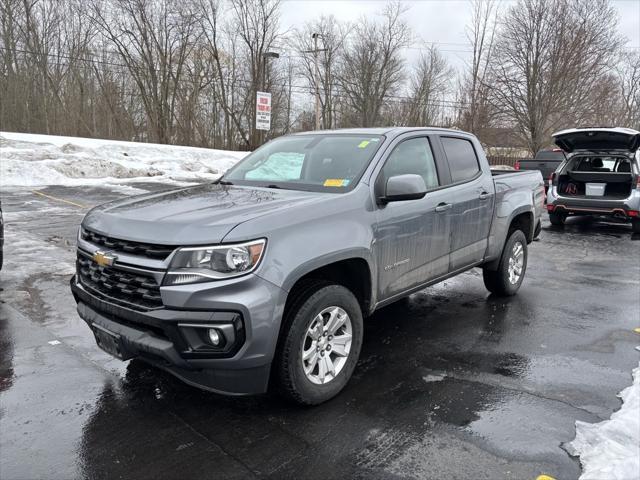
x=326, y=345
x=516, y=263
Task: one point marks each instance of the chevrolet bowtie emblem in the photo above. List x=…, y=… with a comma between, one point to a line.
x=103, y=259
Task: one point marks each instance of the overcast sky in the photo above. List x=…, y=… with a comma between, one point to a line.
x=439, y=21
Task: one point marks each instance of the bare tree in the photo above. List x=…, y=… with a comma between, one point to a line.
x=256, y=23
x=371, y=66
x=552, y=53
x=629, y=82
x=153, y=39
x=474, y=89
x=332, y=36
x=187, y=71
x=430, y=82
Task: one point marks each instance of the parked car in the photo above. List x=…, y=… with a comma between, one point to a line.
x=268, y=273
x=601, y=175
x=545, y=161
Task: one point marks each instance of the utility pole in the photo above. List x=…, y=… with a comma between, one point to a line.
x=317, y=79
x=316, y=75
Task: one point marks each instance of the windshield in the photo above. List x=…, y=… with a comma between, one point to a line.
x=326, y=162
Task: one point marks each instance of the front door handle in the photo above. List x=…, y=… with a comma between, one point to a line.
x=443, y=207
x=484, y=196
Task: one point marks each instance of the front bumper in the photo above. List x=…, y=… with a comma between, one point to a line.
x=252, y=306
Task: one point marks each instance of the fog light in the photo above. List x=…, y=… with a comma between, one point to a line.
x=214, y=337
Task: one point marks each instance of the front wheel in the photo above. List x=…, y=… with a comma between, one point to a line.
x=506, y=280
x=322, y=338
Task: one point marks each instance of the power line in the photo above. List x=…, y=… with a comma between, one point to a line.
x=301, y=89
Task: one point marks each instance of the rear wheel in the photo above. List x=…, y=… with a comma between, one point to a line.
x=322, y=338
x=557, y=218
x=635, y=225
x=506, y=280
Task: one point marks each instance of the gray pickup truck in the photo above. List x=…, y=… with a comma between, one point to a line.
x=264, y=277
x=545, y=161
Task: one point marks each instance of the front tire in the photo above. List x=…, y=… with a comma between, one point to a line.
x=506, y=280
x=321, y=343
x=635, y=225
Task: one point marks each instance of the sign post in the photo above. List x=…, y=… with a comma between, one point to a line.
x=263, y=111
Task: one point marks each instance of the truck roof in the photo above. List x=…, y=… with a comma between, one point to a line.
x=392, y=131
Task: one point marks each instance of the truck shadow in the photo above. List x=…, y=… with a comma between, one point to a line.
x=412, y=377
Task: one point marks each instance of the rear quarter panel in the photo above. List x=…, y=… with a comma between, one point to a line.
x=516, y=193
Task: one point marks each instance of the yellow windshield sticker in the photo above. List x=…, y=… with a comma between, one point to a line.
x=336, y=182
x=363, y=144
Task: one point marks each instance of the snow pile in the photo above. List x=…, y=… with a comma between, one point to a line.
x=32, y=160
x=611, y=449
x=27, y=254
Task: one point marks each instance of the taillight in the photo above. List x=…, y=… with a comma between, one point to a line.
x=633, y=213
x=517, y=165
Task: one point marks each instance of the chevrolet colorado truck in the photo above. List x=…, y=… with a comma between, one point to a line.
x=263, y=277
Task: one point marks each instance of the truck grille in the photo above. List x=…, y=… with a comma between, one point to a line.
x=135, y=248
x=137, y=291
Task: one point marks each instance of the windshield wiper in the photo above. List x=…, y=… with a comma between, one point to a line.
x=271, y=186
x=224, y=182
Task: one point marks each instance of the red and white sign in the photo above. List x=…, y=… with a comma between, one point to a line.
x=263, y=111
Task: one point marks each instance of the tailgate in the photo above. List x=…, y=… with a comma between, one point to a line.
x=598, y=139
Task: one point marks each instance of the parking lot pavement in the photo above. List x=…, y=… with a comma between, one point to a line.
x=452, y=382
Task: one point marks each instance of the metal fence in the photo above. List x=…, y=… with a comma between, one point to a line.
x=501, y=160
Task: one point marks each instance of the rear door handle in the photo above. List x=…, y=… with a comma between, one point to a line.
x=443, y=207
x=484, y=196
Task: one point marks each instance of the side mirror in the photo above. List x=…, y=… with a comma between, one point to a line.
x=404, y=187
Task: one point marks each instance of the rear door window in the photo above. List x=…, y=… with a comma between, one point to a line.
x=463, y=162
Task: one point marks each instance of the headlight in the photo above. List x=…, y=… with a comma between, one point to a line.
x=203, y=264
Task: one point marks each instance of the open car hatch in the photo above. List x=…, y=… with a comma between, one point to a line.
x=598, y=139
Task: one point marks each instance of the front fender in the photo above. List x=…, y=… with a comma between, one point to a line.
x=324, y=260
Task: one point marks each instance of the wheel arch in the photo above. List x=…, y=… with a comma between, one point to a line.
x=350, y=270
x=521, y=219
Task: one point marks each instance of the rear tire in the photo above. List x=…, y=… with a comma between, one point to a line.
x=506, y=280
x=304, y=316
x=635, y=225
x=557, y=218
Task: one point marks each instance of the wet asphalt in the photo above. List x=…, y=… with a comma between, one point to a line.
x=452, y=382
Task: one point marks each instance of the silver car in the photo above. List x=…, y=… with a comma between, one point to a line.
x=601, y=175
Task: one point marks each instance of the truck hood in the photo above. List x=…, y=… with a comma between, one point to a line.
x=198, y=215
x=598, y=139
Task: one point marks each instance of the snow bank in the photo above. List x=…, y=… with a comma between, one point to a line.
x=33, y=160
x=611, y=449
